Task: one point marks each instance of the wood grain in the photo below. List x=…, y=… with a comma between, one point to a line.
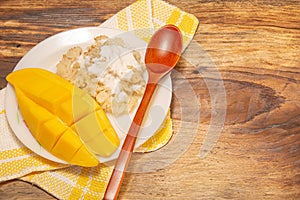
x=256, y=48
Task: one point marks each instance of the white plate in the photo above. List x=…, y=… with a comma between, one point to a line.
x=48, y=52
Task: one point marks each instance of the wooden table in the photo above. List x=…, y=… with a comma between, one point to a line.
x=255, y=46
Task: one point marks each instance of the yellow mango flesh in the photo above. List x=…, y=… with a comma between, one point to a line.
x=95, y=124
x=70, y=105
x=75, y=108
x=68, y=140
x=50, y=132
x=46, y=89
x=53, y=134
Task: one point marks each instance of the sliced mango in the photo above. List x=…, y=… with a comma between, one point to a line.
x=36, y=115
x=50, y=132
x=59, y=109
x=45, y=88
x=73, y=109
x=95, y=125
x=68, y=142
x=53, y=134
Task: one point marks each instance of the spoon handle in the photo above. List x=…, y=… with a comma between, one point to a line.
x=117, y=176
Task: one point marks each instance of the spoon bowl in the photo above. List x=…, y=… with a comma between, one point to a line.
x=162, y=54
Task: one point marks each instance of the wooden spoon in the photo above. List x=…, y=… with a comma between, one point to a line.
x=162, y=54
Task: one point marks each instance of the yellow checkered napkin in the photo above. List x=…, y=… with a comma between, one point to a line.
x=145, y=16
x=73, y=182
